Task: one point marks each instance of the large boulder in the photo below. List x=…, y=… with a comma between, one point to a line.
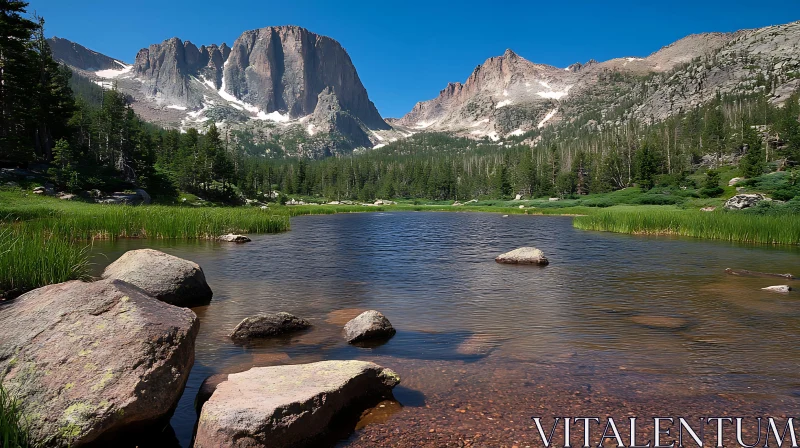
x=268, y=325
x=289, y=406
x=88, y=361
x=741, y=201
x=523, y=255
x=167, y=278
x=368, y=325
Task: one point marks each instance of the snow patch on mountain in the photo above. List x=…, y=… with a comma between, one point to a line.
x=555, y=95
x=547, y=118
x=111, y=73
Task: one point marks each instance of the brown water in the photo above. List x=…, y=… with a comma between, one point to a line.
x=619, y=317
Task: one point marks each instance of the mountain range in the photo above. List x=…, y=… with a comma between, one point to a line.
x=288, y=84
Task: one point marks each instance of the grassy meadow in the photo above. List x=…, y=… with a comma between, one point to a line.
x=717, y=225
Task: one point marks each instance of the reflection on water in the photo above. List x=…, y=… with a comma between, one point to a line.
x=660, y=307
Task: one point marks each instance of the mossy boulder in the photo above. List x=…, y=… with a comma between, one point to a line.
x=88, y=361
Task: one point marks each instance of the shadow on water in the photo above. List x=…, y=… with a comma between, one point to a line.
x=157, y=436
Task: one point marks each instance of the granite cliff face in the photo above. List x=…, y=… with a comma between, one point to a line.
x=286, y=69
x=279, y=80
x=169, y=70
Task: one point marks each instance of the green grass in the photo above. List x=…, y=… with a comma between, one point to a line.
x=13, y=428
x=719, y=225
x=43, y=240
x=87, y=222
x=32, y=259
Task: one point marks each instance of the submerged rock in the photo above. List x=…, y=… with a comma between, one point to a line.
x=231, y=238
x=167, y=278
x=289, y=405
x=267, y=325
x=746, y=273
x=90, y=360
x=523, y=255
x=741, y=201
x=779, y=288
x=207, y=388
x=368, y=325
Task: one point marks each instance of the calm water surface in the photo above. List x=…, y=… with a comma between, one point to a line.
x=599, y=305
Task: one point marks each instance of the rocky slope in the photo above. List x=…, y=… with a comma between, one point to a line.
x=81, y=58
x=508, y=95
x=280, y=80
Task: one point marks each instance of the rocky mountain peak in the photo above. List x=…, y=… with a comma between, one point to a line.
x=286, y=77
x=284, y=69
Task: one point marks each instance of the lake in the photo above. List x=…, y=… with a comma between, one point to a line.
x=615, y=324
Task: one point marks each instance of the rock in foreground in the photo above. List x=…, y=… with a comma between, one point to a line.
x=267, y=325
x=368, y=325
x=780, y=288
x=231, y=238
x=89, y=360
x=167, y=278
x=741, y=201
x=523, y=255
x=289, y=406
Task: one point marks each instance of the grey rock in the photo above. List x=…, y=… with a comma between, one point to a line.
x=368, y=325
x=167, y=278
x=742, y=201
x=523, y=255
x=267, y=325
x=88, y=360
x=78, y=56
x=288, y=406
x=231, y=238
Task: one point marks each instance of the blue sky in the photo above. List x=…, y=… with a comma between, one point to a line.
x=408, y=51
